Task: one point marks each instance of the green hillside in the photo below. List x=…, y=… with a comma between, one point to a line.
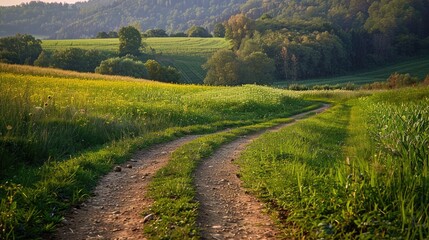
x=416, y=67
x=186, y=54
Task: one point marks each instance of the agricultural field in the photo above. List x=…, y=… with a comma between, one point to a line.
x=416, y=67
x=60, y=131
x=186, y=54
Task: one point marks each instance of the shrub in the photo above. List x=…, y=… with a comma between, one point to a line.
x=161, y=73
x=124, y=66
x=77, y=59
x=397, y=80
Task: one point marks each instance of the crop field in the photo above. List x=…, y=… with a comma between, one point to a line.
x=186, y=54
x=60, y=131
x=357, y=171
x=417, y=67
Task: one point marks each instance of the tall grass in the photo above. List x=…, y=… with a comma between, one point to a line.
x=358, y=171
x=59, y=132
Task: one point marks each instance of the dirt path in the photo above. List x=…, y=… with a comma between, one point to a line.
x=226, y=211
x=115, y=210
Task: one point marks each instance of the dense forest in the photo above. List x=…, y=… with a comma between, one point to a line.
x=315, y=38
x=87, y=18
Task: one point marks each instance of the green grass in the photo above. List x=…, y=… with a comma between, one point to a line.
x=60, y=131
x=417, y=67
x=186, y=54
x=359, y=171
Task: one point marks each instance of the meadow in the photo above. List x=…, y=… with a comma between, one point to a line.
x=60, y=131
x=186, y=54
x=359, y=171
x=416, y=67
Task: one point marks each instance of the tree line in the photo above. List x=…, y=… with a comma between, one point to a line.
x=308, y=39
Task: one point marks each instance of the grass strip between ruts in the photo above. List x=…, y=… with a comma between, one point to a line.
x=172, y=188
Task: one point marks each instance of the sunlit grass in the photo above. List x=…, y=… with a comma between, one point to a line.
x=60, y=131
x=357, y=171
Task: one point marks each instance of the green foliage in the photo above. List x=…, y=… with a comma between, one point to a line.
x=178, y=34
x=196, y=31
x=102, y=35
x=226, y=68
x=161, y=73
x=130, y=41
x=19, y=49
x=219, y=30
x=237, y=28
x=123, y=66
x=155, y=33
x=258, y=68
x=223, y=68
x=395, y=80
x=75, y=59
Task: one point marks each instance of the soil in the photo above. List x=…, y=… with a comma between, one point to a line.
x=226, y=212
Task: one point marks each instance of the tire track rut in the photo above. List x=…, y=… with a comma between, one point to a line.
x=114, y=212
x=226, y=210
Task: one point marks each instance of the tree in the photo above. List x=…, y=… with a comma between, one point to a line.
x=77, y=59
x=154, y=69
x=219, y=30
x=157, y=32
x=178, y=34
x=20, y=49
x=130, y=41
x=196, y=31
x=223, y=68
x=161, y=73
x=258, y=68
x=124, y=66
x=44, y=59
x=237, y=28
x=102, y=35
x=113, y=34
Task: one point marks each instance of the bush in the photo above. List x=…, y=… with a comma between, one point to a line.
x=76, y=59
x=195, y=31
x=397, y=80
x=161, y=73
x=298, y=87
x=123, y=66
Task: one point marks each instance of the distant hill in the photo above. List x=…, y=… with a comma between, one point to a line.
x=87, y=18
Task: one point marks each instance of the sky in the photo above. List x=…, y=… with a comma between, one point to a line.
x=17, y=2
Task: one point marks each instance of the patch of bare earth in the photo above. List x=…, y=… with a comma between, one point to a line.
x=114, y=212
x=226, y=210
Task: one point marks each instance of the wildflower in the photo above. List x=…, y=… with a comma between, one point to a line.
x=46, y=104
x=9, y=127
x=49, y=97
